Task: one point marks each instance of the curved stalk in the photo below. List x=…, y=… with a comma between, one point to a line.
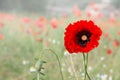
x=58, y=62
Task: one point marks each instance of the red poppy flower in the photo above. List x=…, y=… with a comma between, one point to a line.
x=81, y=36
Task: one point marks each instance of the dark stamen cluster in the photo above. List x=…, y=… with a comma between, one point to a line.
x=83, y=37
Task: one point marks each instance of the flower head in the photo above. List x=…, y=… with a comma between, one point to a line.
x=81, y=36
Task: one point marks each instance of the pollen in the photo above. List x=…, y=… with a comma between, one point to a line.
x=84, y=37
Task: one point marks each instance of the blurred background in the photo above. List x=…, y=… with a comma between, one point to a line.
x=56, y=7
x=29, y=27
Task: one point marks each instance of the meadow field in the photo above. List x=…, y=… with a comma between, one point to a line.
x=26, y=40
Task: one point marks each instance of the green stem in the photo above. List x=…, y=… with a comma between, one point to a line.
x=85, y=57
x=58, y=62
x=84, y=66
x=88, y=76
x=38, y=76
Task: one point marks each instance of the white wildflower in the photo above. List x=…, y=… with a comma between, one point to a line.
x=25, y=62
x=102, y=58
x=104, y=65
x=110, y=78
x=54, y=41
x=104, y=77
x=89, y=68
x=111, y=70
x=33, y=69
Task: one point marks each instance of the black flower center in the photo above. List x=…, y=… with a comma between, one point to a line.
x=83, y=37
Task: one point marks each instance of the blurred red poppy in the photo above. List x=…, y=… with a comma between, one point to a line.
x=29, y=31
x=76, y=11
x=9, y=17
x=100, y=15
x=119, y=33
x=1, y=36
x=112, y=18
x=82, y=36
x=41, y=22
x=116, y=43
x=54, y=23
x=1, y=25
x=89, y=14
x=109, y=51
x=26, y=20
x=64, y=15
x=107, y=36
